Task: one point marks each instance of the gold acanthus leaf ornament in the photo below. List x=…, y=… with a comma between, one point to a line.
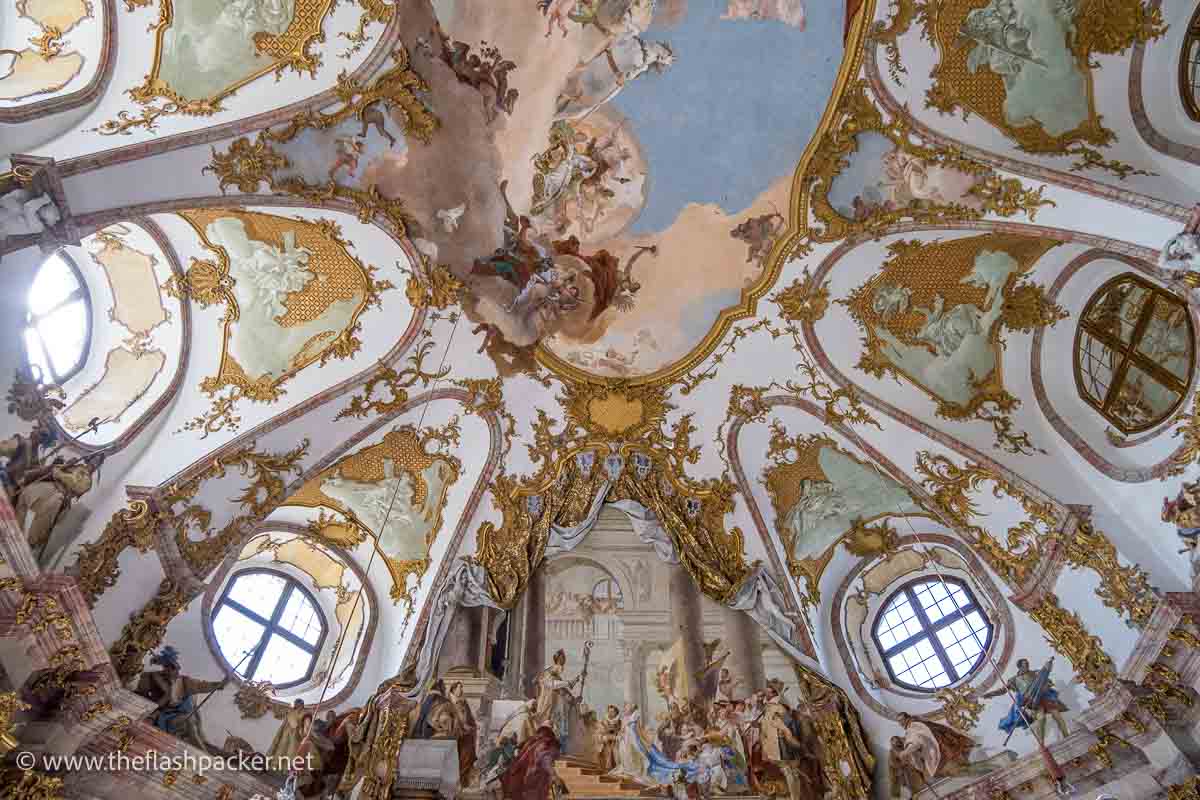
x=803, y=300
x=265, y=490
x=29, y=784
x=1099, y=27
x=438, y=288
x=924, y=280
x=254, y=699
x=291, y=49
x=857, y=116
x=247, y=165
x=145, y=630
x=1065, y=632
x=10, y=706
x=961, y=707
x=1125, y=588
x=96, y=567
x=950, y=485
x=336, y=276
x=612, y=440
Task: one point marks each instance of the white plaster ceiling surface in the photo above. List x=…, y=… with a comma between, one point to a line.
x=138, y=335
x=52, y=48
x=184, y=65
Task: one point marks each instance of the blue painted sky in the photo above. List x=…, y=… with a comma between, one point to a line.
x=736, y=109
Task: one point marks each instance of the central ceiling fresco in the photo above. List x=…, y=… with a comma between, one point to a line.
x=606, y=185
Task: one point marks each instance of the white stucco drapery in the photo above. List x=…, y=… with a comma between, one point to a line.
x=760, y=595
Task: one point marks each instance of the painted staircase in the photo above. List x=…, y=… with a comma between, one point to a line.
x=585, y=779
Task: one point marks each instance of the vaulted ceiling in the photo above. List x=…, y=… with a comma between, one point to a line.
x=437, y=250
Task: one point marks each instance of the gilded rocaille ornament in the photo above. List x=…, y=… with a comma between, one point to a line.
x=411, y=456
x=949, y=486
x=247, y=165
x=960, y=707
x=312, y=248
x=10, y=706
x=857, y=116
x=29, y=784
x=615, y=439
x=793, y=473
x=931, y=301
x=291, y=48
x=1065, y=632
x=965, y=82
x=254, y=699
x=1125, y=588
x=145, y=629
x=96, y=567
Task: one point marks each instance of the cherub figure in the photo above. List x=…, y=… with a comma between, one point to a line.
x=348, y=150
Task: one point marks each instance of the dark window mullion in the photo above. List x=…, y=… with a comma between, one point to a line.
x=75, y=295
x=938, y=650
x=241, y=609
x=272, y=629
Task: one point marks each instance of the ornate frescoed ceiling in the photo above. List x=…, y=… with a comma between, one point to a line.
x=826, y=301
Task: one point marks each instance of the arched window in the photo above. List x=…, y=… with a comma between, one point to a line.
x=932, y=633
x=1189, y=68
x=1133, y=353
x=607, y=594
x=58, y=321
x=269, y=628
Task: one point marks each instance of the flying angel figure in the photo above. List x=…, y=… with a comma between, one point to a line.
x=449, y=217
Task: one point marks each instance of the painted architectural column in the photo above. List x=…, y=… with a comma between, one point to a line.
x=462, y=647
x=687, y=625
x=745, y=662
x=634, y=662
x=535, y=630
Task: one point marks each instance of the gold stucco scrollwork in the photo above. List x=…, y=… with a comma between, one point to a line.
x=1187, y=790
x=950, y=485
x=1124, y=588
x=337, y=276
x=265, y=490
x=846, y=758
x=925, y=281
x=10, y=706
x=803, y=300
x=616, y=437
x=1099, y=27
x=1189, y=451
x=288, y=49
x=29, y=784
x=395, y=384
x=960, y=707
x=253, y=699
x=404, y=451
x=246, y=165
x=1065, y=632
x=96, y=567
x=857, y=116
x=145, y=630
x=438, y=288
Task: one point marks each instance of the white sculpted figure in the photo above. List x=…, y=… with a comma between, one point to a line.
x=22, y=213
x=890, y=300
x=946, y=330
